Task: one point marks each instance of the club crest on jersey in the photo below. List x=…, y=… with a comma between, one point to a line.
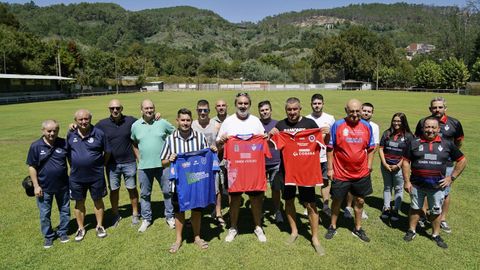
x=440, y=148
x=42, y=152
x=254, y=147
x=203, y=160
x=75, y=140
x=447, y=127
x=186, y=165
x=90, y=140
x=236, y=148
x=311, y=138
x=345, y=132
x=58, y=151
x=420, y=148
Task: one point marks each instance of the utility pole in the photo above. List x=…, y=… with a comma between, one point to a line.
x=116, y=74
x=377, y=73
x=4, y=64
x=59, y=65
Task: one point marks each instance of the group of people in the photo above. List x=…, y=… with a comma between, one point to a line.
x=240, y=153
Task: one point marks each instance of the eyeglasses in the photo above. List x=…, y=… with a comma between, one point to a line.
x=115, y=108
x=242, y=95
x=203, y=110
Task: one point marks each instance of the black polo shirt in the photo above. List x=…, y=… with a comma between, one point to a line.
x=87, y=155
x=450, y=128
x=50, y=163
x=118, y=136
x=429, y=160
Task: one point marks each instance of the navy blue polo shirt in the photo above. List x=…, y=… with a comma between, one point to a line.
x=86, y=155
x=118, y=136
x=429, y=161
x=50, y=163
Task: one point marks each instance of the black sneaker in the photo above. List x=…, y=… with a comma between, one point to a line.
x=361, y=234
x=48, y=243
x=394, y=216
x=330, y=232
x=422, y=222
x=439, y=241
x=385, y=214
x=409, y=236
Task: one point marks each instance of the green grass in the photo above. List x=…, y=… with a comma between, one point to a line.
x=21, y=240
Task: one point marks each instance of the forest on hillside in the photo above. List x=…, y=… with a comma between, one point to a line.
x=95, y=43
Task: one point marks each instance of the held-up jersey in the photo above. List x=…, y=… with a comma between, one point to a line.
x=300, y=156
x=194, y=175
x=245, y=155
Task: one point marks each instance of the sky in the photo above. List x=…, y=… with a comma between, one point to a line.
x=246, y=10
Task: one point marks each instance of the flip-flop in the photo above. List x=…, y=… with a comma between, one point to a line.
x=174, y=248
x=319, y=249
x=291, y=239
x=202, y=244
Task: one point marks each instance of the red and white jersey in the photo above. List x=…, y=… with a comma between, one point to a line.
x=300, y=156
x=245, y=155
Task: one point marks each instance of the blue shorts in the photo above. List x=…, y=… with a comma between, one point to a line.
x=78, y=190
x=447, y=190
x=435, y=200
x=115, y=172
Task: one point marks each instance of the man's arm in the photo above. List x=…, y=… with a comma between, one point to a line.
x=457, y=170
x=136, y=152
x=406, y=175
x=33, y=175
x=330, y=163
x=370, y=158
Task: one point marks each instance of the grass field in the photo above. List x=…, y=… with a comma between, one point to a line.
x=21, y=240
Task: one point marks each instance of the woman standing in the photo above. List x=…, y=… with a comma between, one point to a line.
x=392, y=144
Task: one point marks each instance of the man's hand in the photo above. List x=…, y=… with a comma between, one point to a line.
x=445, y=182
x=172, y=157
x=325, y=130
x=223, y=138
x=158, y=116
x=213, y=148
x=408, y=187
x=72, y=126
x=38, y=191
x=273, y=131
x=330, y=174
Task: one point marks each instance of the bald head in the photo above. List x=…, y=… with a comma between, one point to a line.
x=221, y=108
x=353, y=110
x=148, y=109
x=115, y=108
x=47, y=124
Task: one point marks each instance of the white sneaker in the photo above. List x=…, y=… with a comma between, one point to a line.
x=144, y=226
x=348, y=212
x=232, y=232
x=278, y=217
x=364, y=214
x=305, y=212
x=171, y=223
x=260, y=235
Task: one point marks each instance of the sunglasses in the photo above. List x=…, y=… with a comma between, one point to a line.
x=203, y=110
x=115, y=108
x=242, y=95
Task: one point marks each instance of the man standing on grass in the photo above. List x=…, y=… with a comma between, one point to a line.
x=47, y=167
x=148, y=138
x=296, y=147
x=324, y=121
x=367, y=113
x=350, y=156
x=117, y=128
x=450, y=129
x=424, y=171
x=209, y=128
x=221, y=109
x=272, y=165
x=88, y=152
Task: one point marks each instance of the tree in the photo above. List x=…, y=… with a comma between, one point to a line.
x=252, y=70
x=8, y=18
x=428, y=75
x=455, y=73
x=476, y=71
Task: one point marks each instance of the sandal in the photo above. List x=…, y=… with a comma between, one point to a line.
x=220, y=221
x=319, y=249
x=174, y=248
x=202, y=244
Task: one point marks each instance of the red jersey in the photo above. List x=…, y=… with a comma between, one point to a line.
x=245, y=155
x=301, y=156
x=351, y=144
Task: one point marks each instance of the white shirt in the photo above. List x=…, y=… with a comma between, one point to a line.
x=325, y=120
x=235, y=126
x=376, y=133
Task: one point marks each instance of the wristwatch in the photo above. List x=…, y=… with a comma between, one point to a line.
x=453, y=178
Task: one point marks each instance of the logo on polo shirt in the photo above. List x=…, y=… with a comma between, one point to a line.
x=203, y=160
x=75, y=140
x=311, y=138
x=345, y=132
x=90, y=140
x=186, y=165
x=58, y=151
x=420, y=148
x=447, y=127
x=42, y=152
x=440, y=148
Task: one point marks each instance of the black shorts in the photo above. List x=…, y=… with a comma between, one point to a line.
x=359, y=188
x=176, y=205
x=323, y=165
x=305, y=194
x=249, y=193
x=78, y=190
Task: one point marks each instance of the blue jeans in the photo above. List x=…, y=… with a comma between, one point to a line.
x=44, y=204
x=115, y=172
x=145, y=177
x=392, y=181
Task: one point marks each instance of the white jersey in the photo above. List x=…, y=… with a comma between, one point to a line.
x=325, y=120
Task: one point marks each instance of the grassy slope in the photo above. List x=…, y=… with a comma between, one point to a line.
x=20, y=242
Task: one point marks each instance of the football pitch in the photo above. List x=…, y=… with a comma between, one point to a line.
x=124, y=248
